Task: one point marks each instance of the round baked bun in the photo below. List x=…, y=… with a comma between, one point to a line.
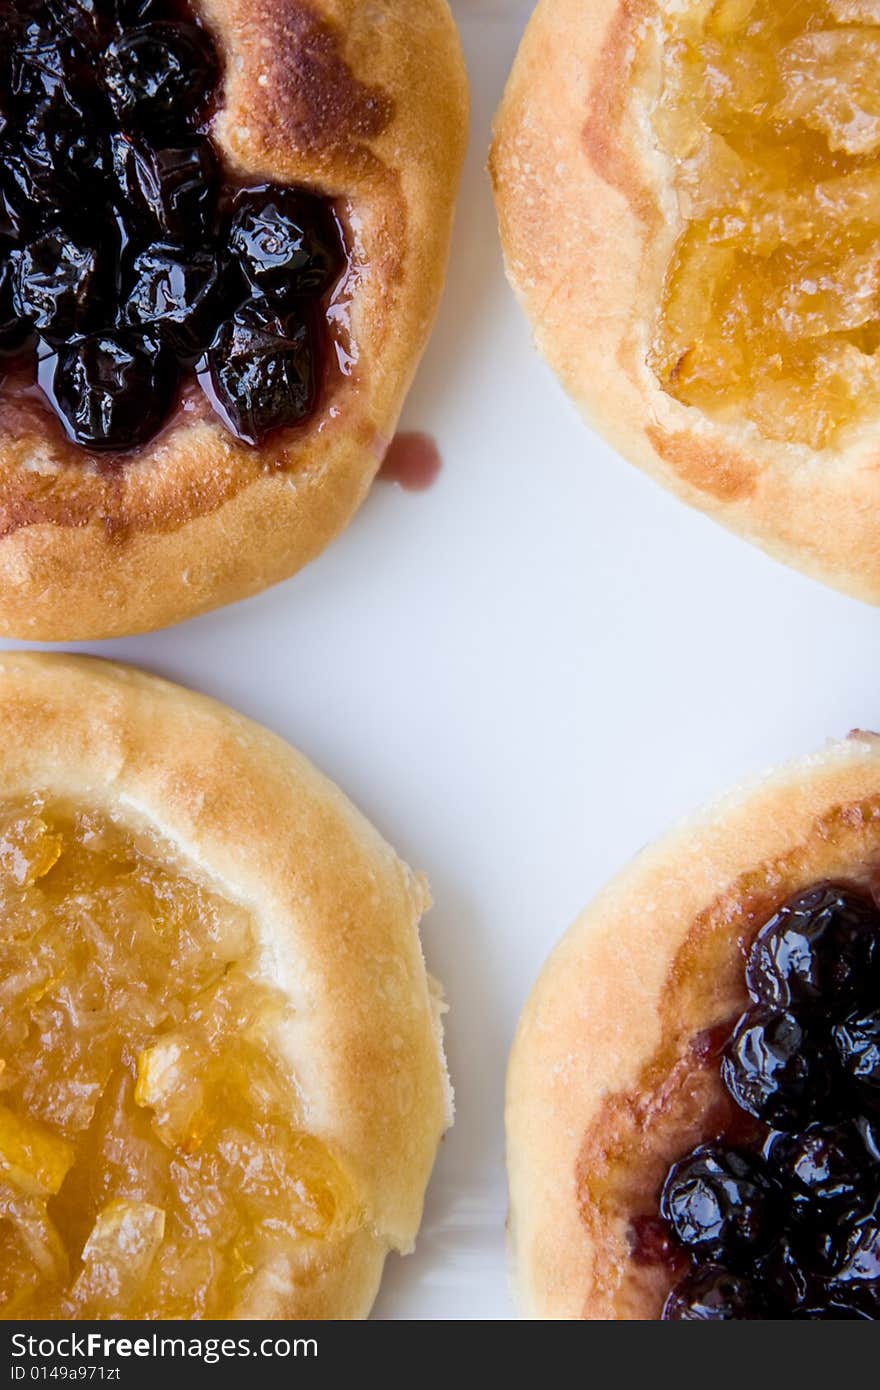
x=694, y=254
x=223, y=1081
x=614, y=1074
x=364, y=104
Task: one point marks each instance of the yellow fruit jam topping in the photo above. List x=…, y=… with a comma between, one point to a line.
x=151, y=1160
x=771, y=306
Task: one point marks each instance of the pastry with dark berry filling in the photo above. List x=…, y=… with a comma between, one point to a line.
x=223, y=233
x=693, y=1106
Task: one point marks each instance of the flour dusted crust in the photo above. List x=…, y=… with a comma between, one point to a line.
x=365, y=101
x=607, y=1083
x=588, y=222
x=336, y=913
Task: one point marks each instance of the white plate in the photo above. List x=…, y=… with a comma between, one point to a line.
x=521, y=676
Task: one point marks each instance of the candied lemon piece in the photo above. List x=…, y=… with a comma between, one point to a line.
x=855, y=11
x=771, y=116
x=829, y=80
x=168, y=1082
x=31, y=1156
x=118, y=1254
x=38, y=1237
x=158, y=1072
x=28, y=851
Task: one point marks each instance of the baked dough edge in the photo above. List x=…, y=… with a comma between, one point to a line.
x=337, y=915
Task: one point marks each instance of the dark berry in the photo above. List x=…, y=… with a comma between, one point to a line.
x=41, y=62
x=857, y=1042
x=281, y=242
x=158, y=76
x=856, y=1277
x=818, y=1232
x=13, y=208
x=64, y=153
x=821, y=947
x=25, y=206
x=719, y=1203
x=122, y=239
x=88, y=23
x=174, y=293
x=81, y=19
x=111, y=391
x=174, y=187
x=14, y=330
x=126, y=13
x=783, y=1274
x=776, y=1070
x=869, y=1129
x=259, y=372
x=55, y=284
x=10, y=35
x=714, y=1295
x=826, y=1162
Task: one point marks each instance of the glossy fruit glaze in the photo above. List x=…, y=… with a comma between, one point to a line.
x=129, y=261
x=780, y=1215
x=771, y=306
x=153, y=1162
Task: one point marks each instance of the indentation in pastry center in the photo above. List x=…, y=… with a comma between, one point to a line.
x=151, y=1159
x=771, y=304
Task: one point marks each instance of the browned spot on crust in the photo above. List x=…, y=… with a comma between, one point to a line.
x=311, y=98
x=679, y=1100
x=59, y=506
x=707, y=465
x=76, y=498
x=601, y=133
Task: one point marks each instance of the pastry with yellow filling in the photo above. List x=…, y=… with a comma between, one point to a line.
x=222, y=1082
x=689, y=196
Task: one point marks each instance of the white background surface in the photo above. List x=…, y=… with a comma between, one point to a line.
x=521, y=676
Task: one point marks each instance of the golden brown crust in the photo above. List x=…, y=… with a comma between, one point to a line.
x=610, y=1076
x=364, y=100
x=336, y=911
x=588, y=223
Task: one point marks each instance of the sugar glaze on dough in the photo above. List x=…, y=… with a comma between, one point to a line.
x=364, y=101
x=605, y=1086
x=589, y=220
x=336, y=911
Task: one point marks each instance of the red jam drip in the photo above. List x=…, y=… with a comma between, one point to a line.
x=413, y=462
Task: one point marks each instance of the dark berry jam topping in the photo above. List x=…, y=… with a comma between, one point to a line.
x=129, y=261
x=714, y=1295
x=786, y=1223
